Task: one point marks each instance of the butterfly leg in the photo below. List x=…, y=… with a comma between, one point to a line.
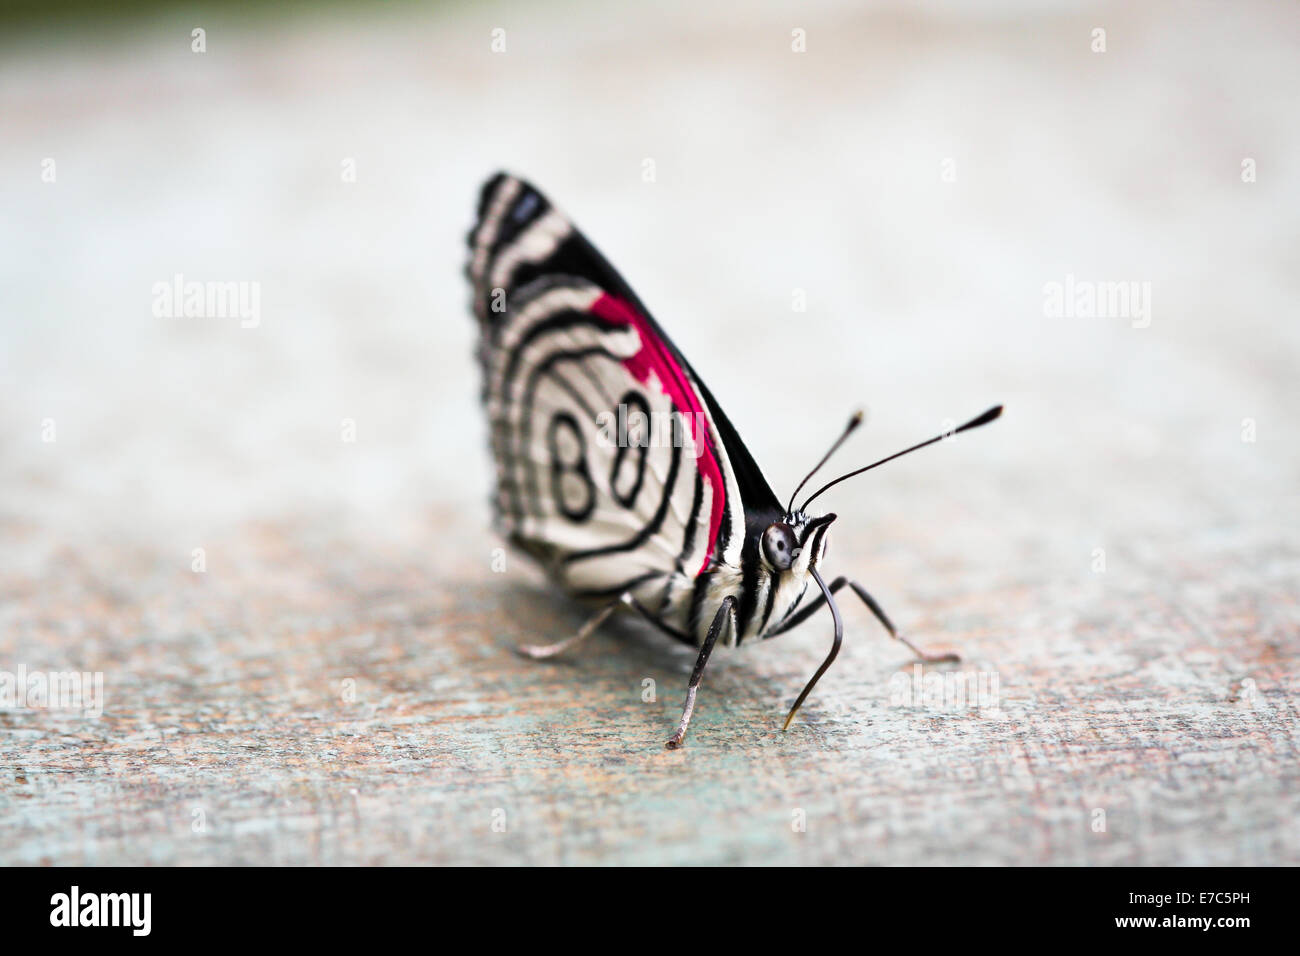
x=875, y=609
x=727, y=611
x=542, y=651
x=793, y=622
x=653, y=618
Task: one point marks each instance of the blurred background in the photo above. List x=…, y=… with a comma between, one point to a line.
x=875, y=199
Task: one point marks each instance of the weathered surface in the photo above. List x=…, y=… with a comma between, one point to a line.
x=338, y=687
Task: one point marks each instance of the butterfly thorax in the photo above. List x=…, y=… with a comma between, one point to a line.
x=770, y=582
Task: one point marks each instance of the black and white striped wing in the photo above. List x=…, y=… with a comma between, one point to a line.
x=575, y=375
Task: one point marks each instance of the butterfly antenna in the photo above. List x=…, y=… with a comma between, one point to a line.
x=984, y=419
x=854, y=422
x=835, y=649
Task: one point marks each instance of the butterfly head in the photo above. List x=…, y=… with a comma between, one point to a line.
x=796, y=543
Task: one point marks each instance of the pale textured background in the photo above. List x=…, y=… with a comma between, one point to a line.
x=1162, y=691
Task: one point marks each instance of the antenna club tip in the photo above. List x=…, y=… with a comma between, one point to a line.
x=856, y=418
x=990, y=415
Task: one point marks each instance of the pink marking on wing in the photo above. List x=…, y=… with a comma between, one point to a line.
x=656, y=357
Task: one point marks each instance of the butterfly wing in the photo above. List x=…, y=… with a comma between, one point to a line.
x=570, y=357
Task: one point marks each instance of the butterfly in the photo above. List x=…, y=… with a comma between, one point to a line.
x=616, y=468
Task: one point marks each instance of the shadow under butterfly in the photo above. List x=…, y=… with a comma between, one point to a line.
x=617, y=470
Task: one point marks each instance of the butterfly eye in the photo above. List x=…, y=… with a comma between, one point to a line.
x=779, y=546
